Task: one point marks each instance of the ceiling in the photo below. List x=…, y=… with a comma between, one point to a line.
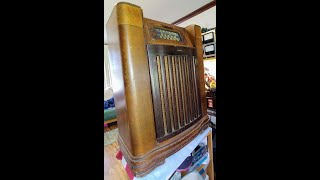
x=166, y=11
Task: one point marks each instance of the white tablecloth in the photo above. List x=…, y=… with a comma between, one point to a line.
x=164, y=171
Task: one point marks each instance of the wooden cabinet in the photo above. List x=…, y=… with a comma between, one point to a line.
x=157, y=72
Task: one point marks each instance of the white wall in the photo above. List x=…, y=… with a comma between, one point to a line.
x=166, y=11
x=206, y=19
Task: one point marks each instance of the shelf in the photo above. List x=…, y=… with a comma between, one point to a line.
x=208, y=59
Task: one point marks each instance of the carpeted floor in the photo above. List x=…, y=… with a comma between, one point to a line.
x=111, y=136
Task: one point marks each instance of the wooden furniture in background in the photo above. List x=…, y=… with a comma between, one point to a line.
x=210, y=168
x=157, y=71
x=110, y=121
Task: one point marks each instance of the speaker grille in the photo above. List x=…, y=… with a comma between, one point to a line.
x=174, y=80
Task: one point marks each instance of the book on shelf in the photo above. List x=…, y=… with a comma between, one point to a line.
x=199, y=152
x=199, y=162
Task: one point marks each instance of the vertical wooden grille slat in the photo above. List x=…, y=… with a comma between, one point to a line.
x=180, y=91
x=173, y=96
x=182, y=80
x=164, y=61
x=186, y=102
x=189, y=83
x=162, y=95
x=174, y=68
x=194, y=88
x=195, y=85
x=190, y=86
x=169, y=89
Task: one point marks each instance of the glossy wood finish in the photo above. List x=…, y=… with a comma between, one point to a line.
x=131, y=79
x=137, y=104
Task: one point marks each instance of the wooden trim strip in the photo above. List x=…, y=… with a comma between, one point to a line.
x=196, y=12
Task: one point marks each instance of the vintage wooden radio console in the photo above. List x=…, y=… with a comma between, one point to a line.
x=157, y=72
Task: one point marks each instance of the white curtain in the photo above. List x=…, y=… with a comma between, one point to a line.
x=107, y=71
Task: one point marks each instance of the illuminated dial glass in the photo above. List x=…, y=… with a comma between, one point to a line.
x=165, y=34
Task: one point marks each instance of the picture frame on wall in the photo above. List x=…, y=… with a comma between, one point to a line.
x=209, y=36
x=209, y=50
x=209, y=43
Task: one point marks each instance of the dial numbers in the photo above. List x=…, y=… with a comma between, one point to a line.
x=167, y=35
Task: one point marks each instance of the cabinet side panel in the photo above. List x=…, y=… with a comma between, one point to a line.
x=136, y=79
x=117, y=78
